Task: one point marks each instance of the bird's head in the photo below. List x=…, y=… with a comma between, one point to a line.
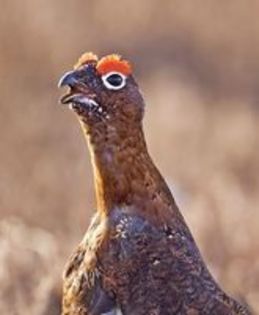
x=103, y=91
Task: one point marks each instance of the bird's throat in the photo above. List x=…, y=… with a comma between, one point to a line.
x=124, y=173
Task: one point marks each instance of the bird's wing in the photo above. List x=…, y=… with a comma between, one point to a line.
x=157, y=253
x=167, y=261
x=174, y=237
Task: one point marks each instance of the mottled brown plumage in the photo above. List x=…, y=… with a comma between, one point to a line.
x=138, y=256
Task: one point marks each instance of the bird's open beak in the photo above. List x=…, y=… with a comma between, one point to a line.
x=70, y=80
x=78, y=93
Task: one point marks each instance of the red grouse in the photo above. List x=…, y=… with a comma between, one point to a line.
x=138, y=256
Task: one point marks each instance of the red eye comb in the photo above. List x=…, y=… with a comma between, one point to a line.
x=112, y=63
x=87, y=57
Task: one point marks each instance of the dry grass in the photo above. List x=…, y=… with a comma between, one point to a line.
x=198, y=66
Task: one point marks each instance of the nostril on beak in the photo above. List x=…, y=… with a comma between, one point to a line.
x=68, y=79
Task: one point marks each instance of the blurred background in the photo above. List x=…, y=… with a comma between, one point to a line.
x=197, y=63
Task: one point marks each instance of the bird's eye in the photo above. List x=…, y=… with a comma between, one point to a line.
x=114, y=80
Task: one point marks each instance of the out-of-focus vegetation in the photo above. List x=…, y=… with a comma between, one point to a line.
x=198, y=65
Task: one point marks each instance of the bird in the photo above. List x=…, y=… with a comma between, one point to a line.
x=138, y=256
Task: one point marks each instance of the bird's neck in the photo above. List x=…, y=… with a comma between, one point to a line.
x=124, y=173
